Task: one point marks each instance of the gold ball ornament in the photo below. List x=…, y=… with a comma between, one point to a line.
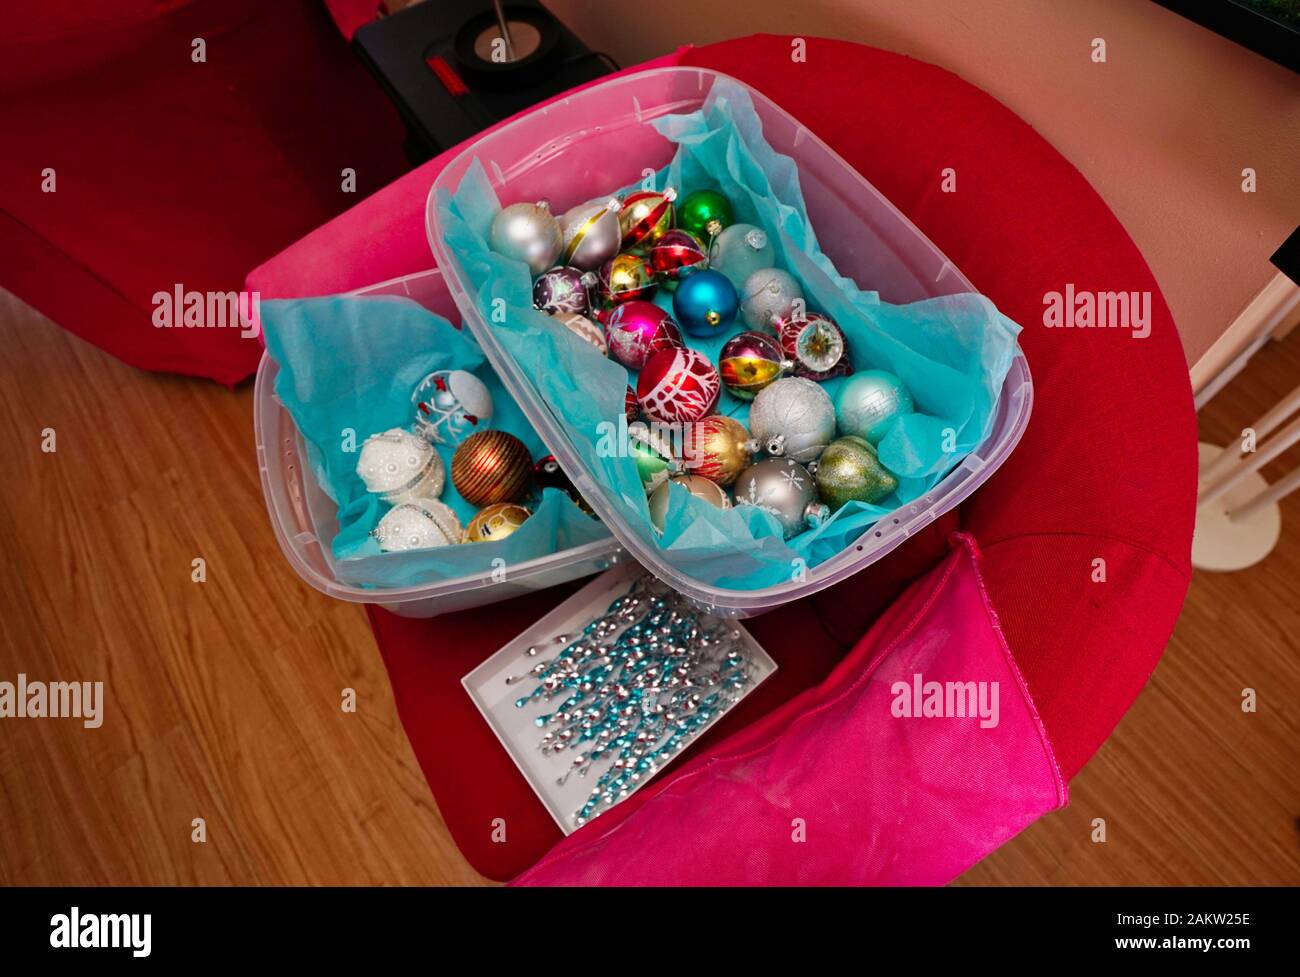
x=717, y=448
x=491, y=467
x=496, y=522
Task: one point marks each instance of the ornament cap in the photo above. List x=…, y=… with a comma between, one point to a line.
x=756, y=239
x=816, y=514
x=775, y=445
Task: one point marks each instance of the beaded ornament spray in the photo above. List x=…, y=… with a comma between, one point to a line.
x=637, y=686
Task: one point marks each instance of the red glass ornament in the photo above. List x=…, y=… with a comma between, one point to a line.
x=675, y=255
x=646, y=215
x=678, y=386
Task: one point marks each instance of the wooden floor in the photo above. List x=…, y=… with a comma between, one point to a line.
x=223, y=696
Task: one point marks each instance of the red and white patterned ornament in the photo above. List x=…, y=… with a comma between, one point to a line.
x=678, y=386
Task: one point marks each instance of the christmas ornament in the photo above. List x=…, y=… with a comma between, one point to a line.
x=768, y=296
x=645, y=216
x=491, y=466
x=705, y=303
x=678, y=386
x=697, y=485
x=739, y=251
x=450, y=405
x=631, y=409
x=634, y=689
x=652, y=454
x=718, y=448
x=583, y=328
x=625, y=277
x=869, y=402
x=591, y=234
x=399, y=466
x=495, y=522
x=417, y=526
x=849, y=470
x=793, y=417
x=816, y=345
x=750, y=361
x=675, y=255
x=705, y=213
x=527, y=233
x=563, y=289
x=547, y=473
x=784, y=488
x=636, y=329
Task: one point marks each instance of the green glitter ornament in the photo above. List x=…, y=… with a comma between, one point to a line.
x=705, y=213
x=849, y=470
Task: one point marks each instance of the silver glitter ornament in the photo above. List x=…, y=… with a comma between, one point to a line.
x=527, y=233
x=793, y=417
x=869, y=402
x=784, y=488
x=418, y=526
x=739, y=251
x=401, y=467
x=768, y=296
x=591, y=233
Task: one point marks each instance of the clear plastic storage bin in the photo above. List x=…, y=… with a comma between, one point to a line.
x=600, y=139
x=305, y=519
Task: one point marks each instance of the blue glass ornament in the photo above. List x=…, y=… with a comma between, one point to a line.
x=705, y=303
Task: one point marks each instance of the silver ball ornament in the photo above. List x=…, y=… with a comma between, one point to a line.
x=739, y=251
x=784, y=488
x=528, y=233
x=591, y=233
x=793, y=417
x=869, y=402
x=768, y=296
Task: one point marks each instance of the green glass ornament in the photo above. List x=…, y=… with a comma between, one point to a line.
x=705, y=213
x=652, y=454
x=849, y=470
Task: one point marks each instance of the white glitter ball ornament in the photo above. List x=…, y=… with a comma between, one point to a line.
x=401, y=467
x=418, y=526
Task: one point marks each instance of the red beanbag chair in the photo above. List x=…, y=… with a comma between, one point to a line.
x=1085, y=536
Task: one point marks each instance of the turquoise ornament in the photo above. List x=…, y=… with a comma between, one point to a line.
x=705, y=303
x=869, y=403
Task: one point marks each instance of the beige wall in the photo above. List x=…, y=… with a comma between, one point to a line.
x=1162, y=130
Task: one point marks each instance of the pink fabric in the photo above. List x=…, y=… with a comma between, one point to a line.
x=878, y=799
x=381, y=238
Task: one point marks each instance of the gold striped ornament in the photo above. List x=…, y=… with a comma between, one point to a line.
x=491, y=467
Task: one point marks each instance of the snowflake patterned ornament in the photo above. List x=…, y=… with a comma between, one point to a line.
x=678, y=386
x=450, y=405
x=784, y=488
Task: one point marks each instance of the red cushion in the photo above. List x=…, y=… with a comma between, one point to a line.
x=171, y=172
x=1106, y=469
